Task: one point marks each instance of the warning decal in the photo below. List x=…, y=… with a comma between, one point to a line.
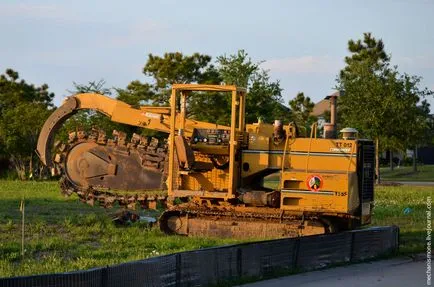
x=314, y=182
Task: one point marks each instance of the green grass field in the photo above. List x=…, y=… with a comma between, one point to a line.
x=63, y=234
x=405, y=173
x=404, y=206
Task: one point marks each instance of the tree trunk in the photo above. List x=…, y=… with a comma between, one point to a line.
x=377, y=162
x=20, y=168
x=415, y=159
x=391, y=160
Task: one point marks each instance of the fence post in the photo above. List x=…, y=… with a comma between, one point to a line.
x=295, y=252
x=352, y=246
x=178, y=269
x=104, y=275
x=398, y=237
x=239, y=262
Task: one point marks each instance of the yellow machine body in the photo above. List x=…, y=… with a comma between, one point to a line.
x=244, y=176
x=315, y=175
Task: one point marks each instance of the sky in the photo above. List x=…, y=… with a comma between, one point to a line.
x=302, y=43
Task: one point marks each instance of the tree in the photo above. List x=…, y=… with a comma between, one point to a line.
x=237, y=69
x=301, y=109
x=91, y=87
x=176, y=68
x=414, y=111
x=264, y=98
x=366, y=103
x=14, y=91
x=377, y=100
x=23, y=110
x=136, y=94
x=20, y=127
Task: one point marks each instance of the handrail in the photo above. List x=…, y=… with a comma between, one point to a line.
x=313, y=127
x=291, y=131
x=350, y=158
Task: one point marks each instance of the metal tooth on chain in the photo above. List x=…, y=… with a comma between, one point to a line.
x=132, y=200
x=102, y=139
x=115, y=134
x=57, y=144
x=111, y=142
x=120, y=137
x=62, y=147
x=72, y=136
x=93, y=135
x=135, y=139
x=58, y=158
x=109, y=201
x=81, y=135
x=66, y=187
x=144, y=142
x=154, y=142
x=90, y=200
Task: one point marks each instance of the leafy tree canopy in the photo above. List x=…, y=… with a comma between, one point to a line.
x=136, y=94
x=301, y=109
x=14, y=90
x=264, y=100
x=24, y=108
x=379, y=101
x=264, y=96
x=177, y=68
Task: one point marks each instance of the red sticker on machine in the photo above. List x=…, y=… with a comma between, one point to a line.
x=314, y=182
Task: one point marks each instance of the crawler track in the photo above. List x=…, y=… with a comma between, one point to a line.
x=239, y=222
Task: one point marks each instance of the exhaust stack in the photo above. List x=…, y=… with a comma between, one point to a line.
x=330, y=128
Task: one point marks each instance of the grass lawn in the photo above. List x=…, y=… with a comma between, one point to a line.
x=405, y=173
x=404, y=206
x=63, y=234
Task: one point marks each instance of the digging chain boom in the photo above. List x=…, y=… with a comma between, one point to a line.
x=149, y=154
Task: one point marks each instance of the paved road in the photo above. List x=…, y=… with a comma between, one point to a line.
x=417, y=183
x=393, y=272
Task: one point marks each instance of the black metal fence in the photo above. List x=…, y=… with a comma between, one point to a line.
x=213, y=265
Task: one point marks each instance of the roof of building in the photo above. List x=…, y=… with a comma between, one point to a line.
x=335, y=94
x=324, y=105
x=320, y=108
